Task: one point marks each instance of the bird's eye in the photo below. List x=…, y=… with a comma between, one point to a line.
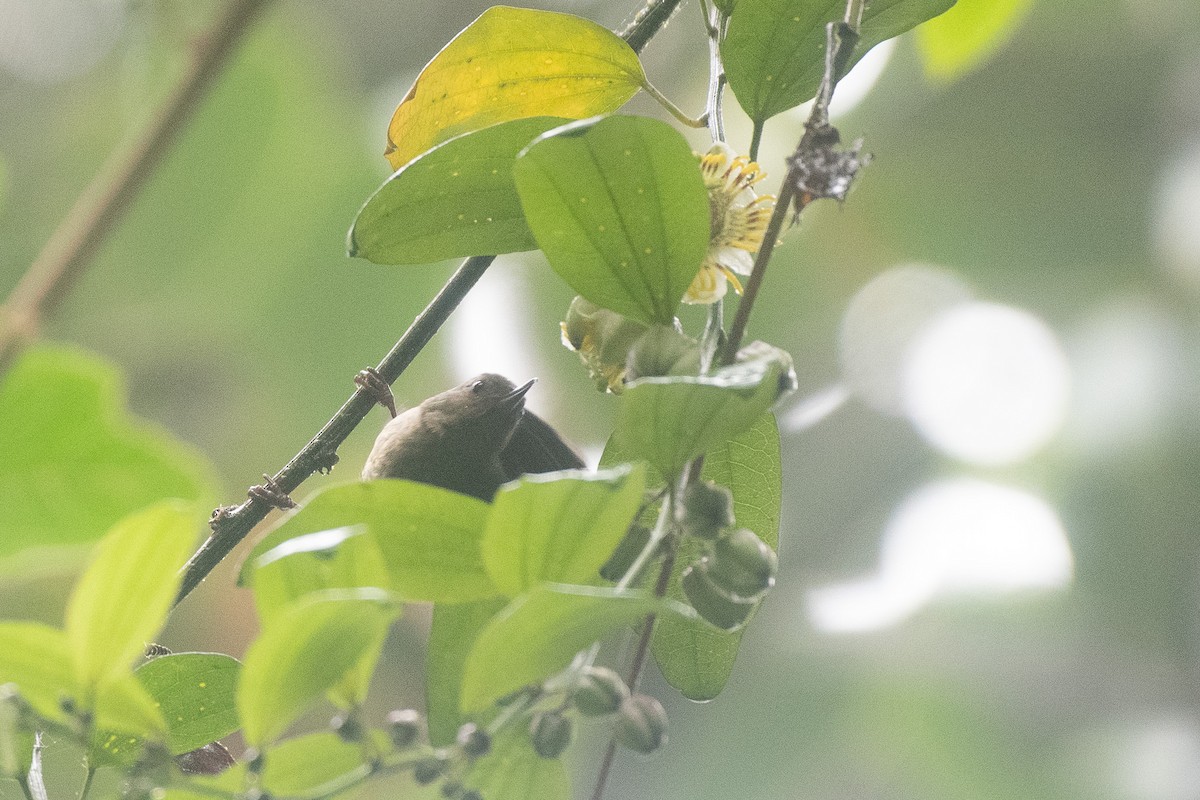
x=477, y=387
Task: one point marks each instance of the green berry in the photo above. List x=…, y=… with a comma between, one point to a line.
x=473, y=741
x=405, y=727
x=551, y=734
x=347, y=727
x=742, y=565
x=642, y=725
x=600, y=692
x=429, y=769
x=255, y=761
x=707, y=509
x=715, y=606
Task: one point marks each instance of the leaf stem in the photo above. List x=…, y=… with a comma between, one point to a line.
x=756, y=138
x=635, y=670
x=737, y=330
x=660, y=532
x=840, y=39
x=87, y=782
x=715, y=23
x=230, y=525
x=101, y=206
x=673, y=109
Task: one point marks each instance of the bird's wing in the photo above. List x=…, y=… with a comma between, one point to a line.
x=537, y=447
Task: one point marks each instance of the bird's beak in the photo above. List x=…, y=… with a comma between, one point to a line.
x=516, y=398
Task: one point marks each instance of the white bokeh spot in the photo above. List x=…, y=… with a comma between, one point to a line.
x=986, y=383
x=954, y=537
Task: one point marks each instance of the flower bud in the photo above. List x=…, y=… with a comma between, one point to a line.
x=634, y=542
x=347, y=727
x=742, y=565
x=600, y=692
x=642, y=725
x=602, y=338
x=405, y=727
x=429, y=769
x=551, y=734
x=707, y=509
x=256, y=761
x=473, y=741
x=715, y=606
x=662, y=350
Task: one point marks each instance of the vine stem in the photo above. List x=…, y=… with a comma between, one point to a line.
x=737, y=329
x=837, y=53
x=87, y=783
x=101, y=206
x=230, y=525
x=635, y=669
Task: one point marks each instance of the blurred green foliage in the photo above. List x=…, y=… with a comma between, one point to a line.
x=228, y=302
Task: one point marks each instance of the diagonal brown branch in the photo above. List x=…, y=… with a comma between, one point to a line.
x=231, y=525
x=100, y=207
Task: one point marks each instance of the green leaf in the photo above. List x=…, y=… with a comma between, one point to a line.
x=342, y=558
x=429, y=536
x=620, y=210
x=228, y=783
x=16, y=742
x=306, y=765
x=37, y=658
x=125, y=716
x=195, y=693
x=559, y=526
x=305, y=652
x=695, y=657
x=453, y=201
x=669, y=421
x=774, y=51
x=967, y=35
x=541, y=631
x=124, y=595
x=512, y=63
x=73, y=462
x=514, y=771
x=451, y=637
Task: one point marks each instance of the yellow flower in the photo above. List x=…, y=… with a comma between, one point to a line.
x=739, y=219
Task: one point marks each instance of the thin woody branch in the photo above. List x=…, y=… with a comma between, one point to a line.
x=816, y=169
x=101, y=206
x=230, y=525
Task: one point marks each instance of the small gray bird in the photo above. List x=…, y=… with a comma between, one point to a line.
x=470, y=439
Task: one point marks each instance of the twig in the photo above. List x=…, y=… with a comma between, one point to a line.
x=69, y=251
x=715, y=23
x=815, y=170
x=231, y=525
x=635, y=668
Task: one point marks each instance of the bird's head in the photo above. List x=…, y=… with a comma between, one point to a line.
x=488, y=407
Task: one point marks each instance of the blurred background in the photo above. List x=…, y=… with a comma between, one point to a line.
x=989, y=553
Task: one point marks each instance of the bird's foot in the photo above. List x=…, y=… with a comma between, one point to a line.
x=374, y=385
x=270, y=493
x=219, y=515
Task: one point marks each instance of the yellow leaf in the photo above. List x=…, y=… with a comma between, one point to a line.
x=513, y=63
